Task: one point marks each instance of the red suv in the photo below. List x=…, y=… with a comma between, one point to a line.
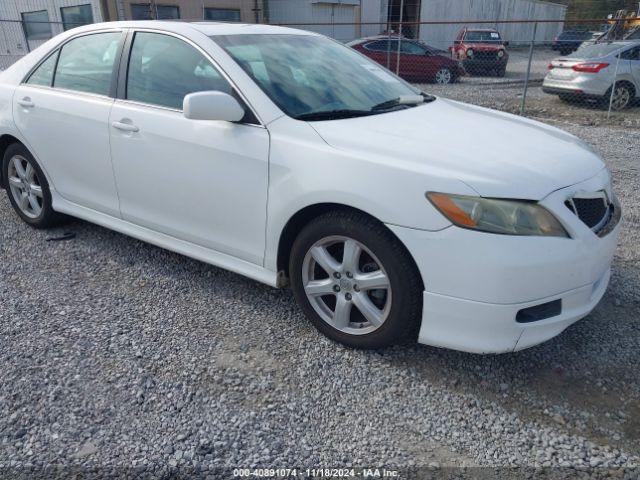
x=481, y=50
x=418, y=61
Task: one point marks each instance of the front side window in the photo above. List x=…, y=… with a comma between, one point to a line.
x=76, y=16
x=164, y=69
x=43, y=75
x=305, y=74
x=86, y=63
x=222, y=14
x=36, y=25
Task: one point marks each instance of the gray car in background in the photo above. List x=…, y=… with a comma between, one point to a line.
x=589, y=73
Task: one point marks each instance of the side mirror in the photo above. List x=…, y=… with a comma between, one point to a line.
x=212, y=105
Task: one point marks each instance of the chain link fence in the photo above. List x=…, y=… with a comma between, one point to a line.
x=587, y=72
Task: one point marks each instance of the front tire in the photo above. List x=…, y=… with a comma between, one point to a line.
x=355, y=281
x=27, y=188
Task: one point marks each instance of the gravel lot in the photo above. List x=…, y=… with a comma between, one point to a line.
x=125, y=359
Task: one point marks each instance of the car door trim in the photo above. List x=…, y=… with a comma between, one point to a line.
x=124, y=67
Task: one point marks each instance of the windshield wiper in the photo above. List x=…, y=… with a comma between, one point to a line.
x=333, y=114
x=409, y=100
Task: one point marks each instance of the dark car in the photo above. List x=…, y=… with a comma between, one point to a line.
x=418, y=62
x=481, y=50
x=570, y=40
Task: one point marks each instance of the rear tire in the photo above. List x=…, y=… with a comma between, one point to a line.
x=337, y=291
x=444, y=76
x=623, y=97
x=27, y=188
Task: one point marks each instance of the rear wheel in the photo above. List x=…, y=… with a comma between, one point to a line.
x=27, y=188
x=355, y=281
x=444, y=76
x=623, y=94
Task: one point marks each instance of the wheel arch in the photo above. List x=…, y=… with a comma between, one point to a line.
x=5, y=141
x=301, y=218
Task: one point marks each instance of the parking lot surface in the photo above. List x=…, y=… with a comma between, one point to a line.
x=129, y=359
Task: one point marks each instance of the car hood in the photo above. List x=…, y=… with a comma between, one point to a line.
x=496, y=154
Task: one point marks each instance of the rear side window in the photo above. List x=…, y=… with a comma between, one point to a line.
x=380, y=46
x=86, y=63
x=164, y=69
x=43, y=75
x=631, y=54
x=411, y=48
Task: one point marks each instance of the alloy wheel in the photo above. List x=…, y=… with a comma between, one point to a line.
x=25, y=186
x=443, y=76
x=346, y=285
x=621, y=97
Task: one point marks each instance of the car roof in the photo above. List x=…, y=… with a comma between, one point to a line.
x=480, y=29
x=207, y=28
x=393, y=36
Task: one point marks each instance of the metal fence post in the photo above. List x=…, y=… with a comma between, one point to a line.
x=526, y=79
x=389, y=48
x=613, y=87
x=399, y=37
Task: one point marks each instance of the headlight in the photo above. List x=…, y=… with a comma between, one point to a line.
x=500, y=53
x=469, y=52
x=509, y=217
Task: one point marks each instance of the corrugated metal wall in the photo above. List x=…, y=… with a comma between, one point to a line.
x=318, y=11
x=12, y=40
x=443, y=35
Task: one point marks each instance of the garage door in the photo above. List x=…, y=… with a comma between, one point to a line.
x=330, y=14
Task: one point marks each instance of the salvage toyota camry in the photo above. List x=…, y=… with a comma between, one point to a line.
x=286, y=157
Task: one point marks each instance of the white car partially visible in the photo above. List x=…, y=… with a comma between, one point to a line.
x=284, y=156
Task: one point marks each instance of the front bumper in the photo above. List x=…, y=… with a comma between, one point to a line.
x=476, y=283
x=484, y=63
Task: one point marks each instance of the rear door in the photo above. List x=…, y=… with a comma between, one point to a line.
x=633, y=56
x=62, y=110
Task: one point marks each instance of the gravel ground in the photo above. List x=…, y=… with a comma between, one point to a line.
x=120, y=358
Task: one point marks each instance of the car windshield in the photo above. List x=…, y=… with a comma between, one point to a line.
x=596, y=50
x=307, y=74
x=481, y=37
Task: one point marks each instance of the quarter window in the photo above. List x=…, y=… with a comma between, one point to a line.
x=36, y=25
x=86, y=63
x=222, y=14
x=164, y=69
x=43, y=75
x=76, y=16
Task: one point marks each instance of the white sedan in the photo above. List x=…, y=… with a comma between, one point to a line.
x=284, y=156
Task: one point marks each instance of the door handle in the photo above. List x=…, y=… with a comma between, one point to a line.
x=26, y=102
x=125, y=127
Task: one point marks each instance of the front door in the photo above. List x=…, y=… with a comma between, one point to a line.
x=204, y=182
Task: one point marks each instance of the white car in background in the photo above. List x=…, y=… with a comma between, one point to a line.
x=589, y=73
x=286, y=157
